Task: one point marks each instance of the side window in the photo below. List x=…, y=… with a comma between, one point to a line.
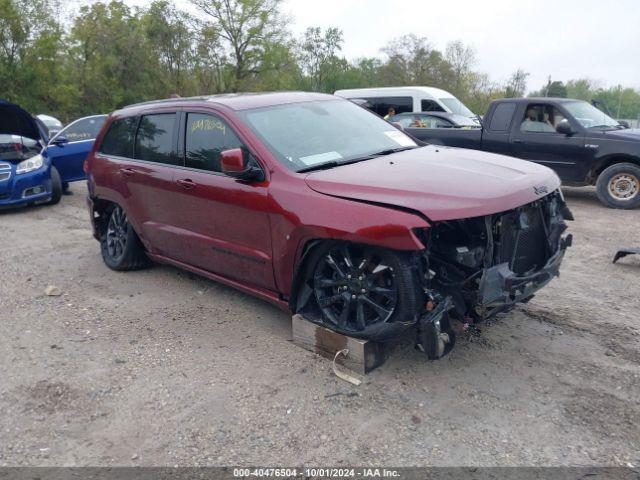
x=502, y=115
x=426, y=121
x=205, y=137
x=381, y=105
x=430, y=106
x=86, y=129
x=154, y=138
x=119, y=137
x=436, y=122
x=404, y=121
x=540, y=118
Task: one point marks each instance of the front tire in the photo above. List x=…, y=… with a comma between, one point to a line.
x=120, y=246
x=618, y=186
x=56, y=187
x=358, y=288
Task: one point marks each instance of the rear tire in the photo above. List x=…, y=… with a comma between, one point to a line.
x=120, y=246
x=56, y=187
x=618, y=186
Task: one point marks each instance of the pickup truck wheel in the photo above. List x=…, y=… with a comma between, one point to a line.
x=120, y=246
x=356, y=287
x=618, y=186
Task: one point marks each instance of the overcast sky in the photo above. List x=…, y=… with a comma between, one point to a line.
x=562, y=38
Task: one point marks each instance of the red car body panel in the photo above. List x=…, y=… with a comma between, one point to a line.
x=252, y=235
x=442, y=183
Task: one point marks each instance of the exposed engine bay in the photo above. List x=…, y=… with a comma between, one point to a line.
x=470, y=270
x=475, y=268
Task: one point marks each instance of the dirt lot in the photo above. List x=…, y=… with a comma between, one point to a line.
x=161, y=367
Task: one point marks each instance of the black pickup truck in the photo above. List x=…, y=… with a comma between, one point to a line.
x=581, y=143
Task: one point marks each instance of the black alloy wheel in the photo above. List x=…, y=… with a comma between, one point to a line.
x=121, y=248
x=117, y=233
x=356, y=286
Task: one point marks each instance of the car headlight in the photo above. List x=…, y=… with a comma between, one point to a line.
x=30, y=164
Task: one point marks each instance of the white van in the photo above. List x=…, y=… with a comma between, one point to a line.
x=407, y=99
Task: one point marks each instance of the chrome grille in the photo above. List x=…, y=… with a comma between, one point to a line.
x=5, y=172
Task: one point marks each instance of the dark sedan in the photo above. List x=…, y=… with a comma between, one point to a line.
x=434, y=120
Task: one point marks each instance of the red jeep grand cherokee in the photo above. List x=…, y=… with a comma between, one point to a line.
x=321, y=207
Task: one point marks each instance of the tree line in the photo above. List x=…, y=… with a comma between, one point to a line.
x=110, y=55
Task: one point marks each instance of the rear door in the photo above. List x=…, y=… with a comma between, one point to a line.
x=68, y=157
x=150, y=179
x=224, y=222
x=534, y=137
x=496, y=131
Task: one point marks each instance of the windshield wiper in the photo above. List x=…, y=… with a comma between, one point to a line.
x=335, y=163
x=330, y=164
x=389, y=151
x=319, y=166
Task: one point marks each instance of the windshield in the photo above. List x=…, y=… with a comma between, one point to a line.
x=457, y=107
x=303, y=135
x=589, y=116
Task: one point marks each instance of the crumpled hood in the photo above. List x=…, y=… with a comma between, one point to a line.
x=16, y=121
x=440, y=182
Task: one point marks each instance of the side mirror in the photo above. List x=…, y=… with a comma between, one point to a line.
x=60, y=140
x=564, y=127
x=624, y=123
x=234, y=164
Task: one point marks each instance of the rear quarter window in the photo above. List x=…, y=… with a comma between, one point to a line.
x=118, y=140
x=430, y=106
x=502, y=116
x=381, y=105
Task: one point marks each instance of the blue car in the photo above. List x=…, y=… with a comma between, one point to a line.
x=26, y=174
x=69, y=148
x=34, y=170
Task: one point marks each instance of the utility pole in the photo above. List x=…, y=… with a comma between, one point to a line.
x=546, y=92
x=619, y=101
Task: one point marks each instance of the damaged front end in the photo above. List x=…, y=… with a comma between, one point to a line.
x=475, y=268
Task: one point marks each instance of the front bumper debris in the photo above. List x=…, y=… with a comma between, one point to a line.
x=435, y=337
x=501, y=287
x=624, y=252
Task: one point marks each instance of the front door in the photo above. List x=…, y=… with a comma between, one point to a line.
x=68, y=157
x=224, y=222
x=534, y=137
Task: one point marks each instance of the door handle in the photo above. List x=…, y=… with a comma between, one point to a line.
x=128, y=171
x=186, y=183
x=517, y=140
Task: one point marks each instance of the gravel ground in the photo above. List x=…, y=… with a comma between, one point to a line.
x=161, y=367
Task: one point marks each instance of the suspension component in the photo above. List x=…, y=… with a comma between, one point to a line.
x=435, y=336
